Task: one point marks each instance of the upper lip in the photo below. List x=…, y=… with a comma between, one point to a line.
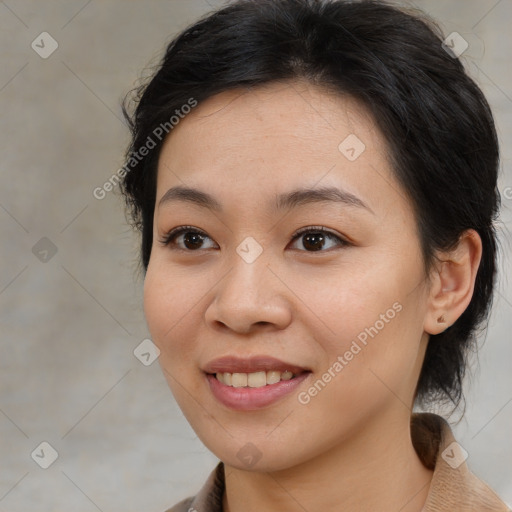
x=233, y=364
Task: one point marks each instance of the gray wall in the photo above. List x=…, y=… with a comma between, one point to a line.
x=70, y=321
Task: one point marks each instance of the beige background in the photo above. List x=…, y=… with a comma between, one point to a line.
x=69, y=326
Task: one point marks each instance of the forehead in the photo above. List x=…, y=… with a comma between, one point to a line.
x=276, y=111
x=270, y=137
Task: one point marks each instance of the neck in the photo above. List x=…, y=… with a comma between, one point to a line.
x=377, y=470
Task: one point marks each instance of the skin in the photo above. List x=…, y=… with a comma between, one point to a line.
x=350, y=446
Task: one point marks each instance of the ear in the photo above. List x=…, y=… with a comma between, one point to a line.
x=453, y=282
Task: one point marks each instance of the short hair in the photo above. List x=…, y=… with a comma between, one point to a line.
x=437, y=123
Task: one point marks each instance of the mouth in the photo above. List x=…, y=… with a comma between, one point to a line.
x=255, y=379
x=252, y=383
x=254, y=371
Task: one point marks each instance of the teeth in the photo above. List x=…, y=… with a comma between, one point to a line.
x=273, y=377
x=257, y=379
x=239, y=380
x=253, y=380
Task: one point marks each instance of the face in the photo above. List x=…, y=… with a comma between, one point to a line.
x=341, y=303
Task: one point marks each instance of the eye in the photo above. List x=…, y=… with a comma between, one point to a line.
x=313, y=238
x=192, y=238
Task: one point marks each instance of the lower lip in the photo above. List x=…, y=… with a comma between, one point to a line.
x=248, y=399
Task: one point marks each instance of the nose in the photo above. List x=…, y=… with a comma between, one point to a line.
x=250, y=297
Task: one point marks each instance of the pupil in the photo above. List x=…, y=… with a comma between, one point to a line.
x=315, y=238
x=196, y=240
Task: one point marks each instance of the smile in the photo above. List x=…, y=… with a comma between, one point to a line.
x=253, y=380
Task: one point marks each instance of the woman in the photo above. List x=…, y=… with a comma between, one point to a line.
x=315, y=183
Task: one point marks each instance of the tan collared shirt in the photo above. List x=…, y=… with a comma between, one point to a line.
x=453, y=488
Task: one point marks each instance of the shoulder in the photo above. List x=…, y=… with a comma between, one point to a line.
x=183, y=506
x=453, y=485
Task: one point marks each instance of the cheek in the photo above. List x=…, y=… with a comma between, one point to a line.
x=374, y=324
x=348, y=303
x=169, y=303
x=169, y=310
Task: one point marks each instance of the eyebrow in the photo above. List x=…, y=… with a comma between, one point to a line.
x=285, y=201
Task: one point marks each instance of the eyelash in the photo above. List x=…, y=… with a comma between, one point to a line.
x=174, y=233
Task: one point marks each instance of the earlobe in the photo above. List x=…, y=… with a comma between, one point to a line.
x=453, y=282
